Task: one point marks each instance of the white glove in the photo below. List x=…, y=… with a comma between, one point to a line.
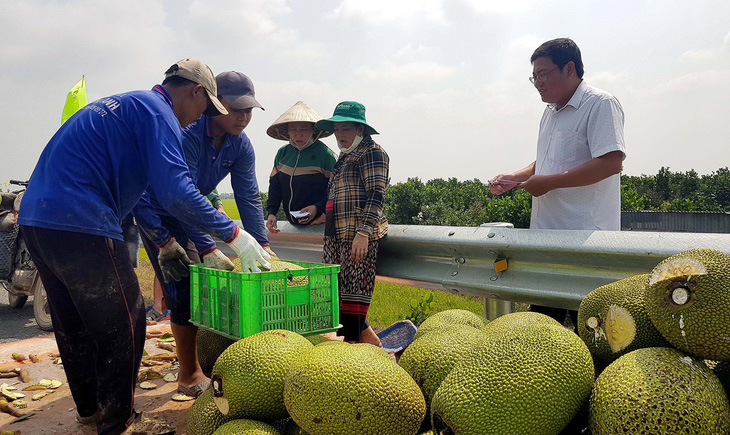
x=249, y=251
x=217, y=260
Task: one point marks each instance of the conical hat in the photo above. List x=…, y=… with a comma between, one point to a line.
x=299, y=112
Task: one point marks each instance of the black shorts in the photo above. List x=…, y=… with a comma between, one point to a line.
x=176, y=293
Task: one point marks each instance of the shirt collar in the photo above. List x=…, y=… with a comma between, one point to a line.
x=166, y=95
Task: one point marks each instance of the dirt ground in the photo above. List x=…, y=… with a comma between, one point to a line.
x=55, y=413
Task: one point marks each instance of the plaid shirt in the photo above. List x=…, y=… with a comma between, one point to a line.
x=357, y=191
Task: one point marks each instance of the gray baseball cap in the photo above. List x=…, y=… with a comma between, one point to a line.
x=237, y=89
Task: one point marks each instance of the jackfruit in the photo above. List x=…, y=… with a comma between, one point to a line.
x=526, y=380
x=204, y=417
x=246, y=427
x=430, y=358
x=688, y=300
x=278, y=266
x=352, y=389
x=317, y=338
x=612, y=319
x=210, y=347
x=248, y=378
x=446, y=318
x=721, y=369
x=660, y=391
x=520, y=319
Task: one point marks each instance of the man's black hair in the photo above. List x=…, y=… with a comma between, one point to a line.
x=560, y=51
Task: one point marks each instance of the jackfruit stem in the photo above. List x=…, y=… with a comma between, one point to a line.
x=592, y=323
x=680, y=295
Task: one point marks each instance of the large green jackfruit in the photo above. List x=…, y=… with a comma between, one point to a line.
x=658, y=390
x=612, y=319
x=352, y=389
x=248, y=378
x=204, y=417
x=430, y=358
x=526, y=380
x=688, y=300
x=210, y=346
x=519, y=319
x=446, y=318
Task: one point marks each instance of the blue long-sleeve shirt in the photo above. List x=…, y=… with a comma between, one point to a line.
x=208, y=167
x=97, y=165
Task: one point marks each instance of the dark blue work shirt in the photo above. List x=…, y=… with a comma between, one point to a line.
x=97, y=165
x=208, y=167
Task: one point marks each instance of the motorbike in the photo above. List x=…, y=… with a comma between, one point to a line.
x=18, y=274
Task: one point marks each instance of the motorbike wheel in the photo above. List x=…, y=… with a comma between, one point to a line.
x=41, y=311
x=13, y=301
x=16, y=301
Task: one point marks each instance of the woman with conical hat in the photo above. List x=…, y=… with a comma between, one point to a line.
x=302, y=168
x=355, y=221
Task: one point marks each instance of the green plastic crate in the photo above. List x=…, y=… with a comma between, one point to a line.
x=241, y=304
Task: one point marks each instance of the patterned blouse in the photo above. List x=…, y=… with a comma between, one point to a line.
x=356, y=193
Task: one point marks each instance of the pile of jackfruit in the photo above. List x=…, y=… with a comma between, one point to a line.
x=651, y=356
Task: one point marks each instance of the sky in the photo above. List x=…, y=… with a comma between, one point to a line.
x=445, y=82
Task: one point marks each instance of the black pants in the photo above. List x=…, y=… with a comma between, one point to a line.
x=98, y=319
x=556, y=313
x=176, y=293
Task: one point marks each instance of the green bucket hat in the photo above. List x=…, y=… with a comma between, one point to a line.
x=351, y=111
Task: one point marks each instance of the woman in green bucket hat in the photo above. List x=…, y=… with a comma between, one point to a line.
x=355, y=221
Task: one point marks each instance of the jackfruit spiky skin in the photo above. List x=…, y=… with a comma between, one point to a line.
x=204, y=417
x=246, y=427
x=688, y=300
x=526, y=380
x=210, y=347
x=612, y=319
x=658, y=391
x=317, y=338
x=721, y=369
x=248, y=377
x=352, y=389
x=521, y=319
x=430, y=358
x=446, y=318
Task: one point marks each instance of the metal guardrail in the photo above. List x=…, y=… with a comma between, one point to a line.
x=547, y=267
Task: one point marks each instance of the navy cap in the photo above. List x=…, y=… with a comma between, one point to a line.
x=237, y=89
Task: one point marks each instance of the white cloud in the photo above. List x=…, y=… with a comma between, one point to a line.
x=389, y=11
x=497, y=7
x=250, y=29
x=249, y=17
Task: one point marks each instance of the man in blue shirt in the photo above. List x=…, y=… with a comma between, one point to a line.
x=88, y=178
x=213, y=148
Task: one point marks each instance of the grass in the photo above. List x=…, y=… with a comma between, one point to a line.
x=231, y=209
x=390, y=302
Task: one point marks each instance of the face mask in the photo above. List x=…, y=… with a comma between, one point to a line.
x=354, y=145
x=306, y=144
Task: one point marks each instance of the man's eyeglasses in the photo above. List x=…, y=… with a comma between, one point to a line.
x=541, y=77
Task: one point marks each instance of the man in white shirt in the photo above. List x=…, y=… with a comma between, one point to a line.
x=574, y=180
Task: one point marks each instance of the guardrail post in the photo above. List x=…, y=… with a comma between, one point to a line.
x=494, y=308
